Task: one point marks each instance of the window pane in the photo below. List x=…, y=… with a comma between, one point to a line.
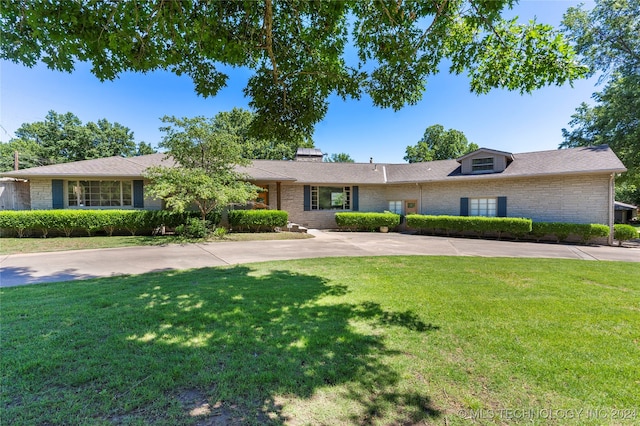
x=331, y=198
x=126, y=193
x=483, y=207
x=72, y=197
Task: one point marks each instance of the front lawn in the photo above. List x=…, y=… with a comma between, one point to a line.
x=38, y=245
x=380, y=340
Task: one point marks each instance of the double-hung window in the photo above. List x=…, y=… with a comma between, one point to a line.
x=483, y=207
x=99, y=193
x=330, y=198
x=395, y=207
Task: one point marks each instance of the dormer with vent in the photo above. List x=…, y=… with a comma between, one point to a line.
x=484, y=160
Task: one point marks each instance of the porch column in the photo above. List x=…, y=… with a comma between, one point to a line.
x=278, y=196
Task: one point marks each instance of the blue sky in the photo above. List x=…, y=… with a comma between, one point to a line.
x=500, y=120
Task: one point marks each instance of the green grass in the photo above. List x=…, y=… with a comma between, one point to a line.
x=37, y=245
x=381, y=340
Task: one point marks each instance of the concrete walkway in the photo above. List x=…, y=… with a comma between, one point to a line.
x=33, y=268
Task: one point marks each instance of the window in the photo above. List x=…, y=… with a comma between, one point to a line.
x=395, y=207
x=99, y=193
x=483, y=207
x=482, y=164
x=330, y=198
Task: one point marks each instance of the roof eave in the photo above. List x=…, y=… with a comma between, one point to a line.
x=72, y=175
x=502, y=175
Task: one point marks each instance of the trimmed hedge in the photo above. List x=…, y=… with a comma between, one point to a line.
x=257, y=220
x=561, y=231
x=623, y=232
x=480, y=224
x=366, y=221
x=67, y=222
x=516, y=227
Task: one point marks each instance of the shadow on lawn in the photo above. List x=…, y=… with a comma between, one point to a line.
x=231, y=346
x=16, y=276
x=264, y=337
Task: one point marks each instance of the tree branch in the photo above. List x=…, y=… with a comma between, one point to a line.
x=268, y=32
x=489, y=24
x=439, y=10
x=386, y=11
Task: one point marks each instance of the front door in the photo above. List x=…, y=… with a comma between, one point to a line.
x=410, y=207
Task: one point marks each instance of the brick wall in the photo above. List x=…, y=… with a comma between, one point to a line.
x=41, y=197
x=574, y=199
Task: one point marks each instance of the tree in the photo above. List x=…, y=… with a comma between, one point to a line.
x=62, y=138
x=238, y=122
x=205, y=172
x=607, y=38
x=439, y=144
x=339, y=158
x=28, y=154
x=298, y=50
x=144, y=149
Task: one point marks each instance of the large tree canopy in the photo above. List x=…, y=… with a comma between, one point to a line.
x=439, y=144
x=298, y=49
x=63, y=137
x=608, y=38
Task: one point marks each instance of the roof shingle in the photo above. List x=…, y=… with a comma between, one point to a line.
x=600, y=159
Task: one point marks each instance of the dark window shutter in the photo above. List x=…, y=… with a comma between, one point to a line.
x=307, y=198
x=138, y=194
x=464, y=206
x=355, y=205
x=502, y=206
x=57, y=194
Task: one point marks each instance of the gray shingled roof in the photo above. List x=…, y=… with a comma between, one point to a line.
x=599, y=159
x=99, y=167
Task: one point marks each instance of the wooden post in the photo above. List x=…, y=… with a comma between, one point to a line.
x=279, y=207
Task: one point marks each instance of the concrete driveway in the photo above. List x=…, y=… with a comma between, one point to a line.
x=33, y=268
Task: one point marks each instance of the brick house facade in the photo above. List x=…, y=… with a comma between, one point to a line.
x=572, y=185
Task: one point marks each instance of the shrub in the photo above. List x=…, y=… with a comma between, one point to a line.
x=88, y=221
x=257, y=220
x=220, y=232
x=594, y=230
x=356, y=221
x=479, y=224
x=561, y=231
x=624, y=232
x=135, y=221
x=19, y=222
x=193, y=228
